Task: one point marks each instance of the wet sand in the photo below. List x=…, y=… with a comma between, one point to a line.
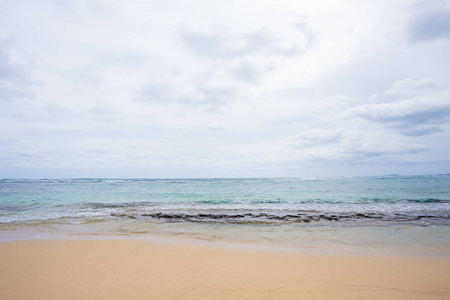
x=134, y=269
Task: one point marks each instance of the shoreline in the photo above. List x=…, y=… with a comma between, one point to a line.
x=379, y=247
x=142, y=269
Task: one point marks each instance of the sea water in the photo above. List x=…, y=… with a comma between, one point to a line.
x=398, y=213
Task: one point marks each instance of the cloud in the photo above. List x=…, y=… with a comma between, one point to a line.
x=431, y=25
x=205, y=89
x=212, y=95
x=15, y=76
x=64, y=114
x=380, y=154
x=59, y=111
x=155, y=93
x=225, y=45
x=15, y=153
x=217, y=126
x=227, y=65
x=309, y=35
x=417, y=116
x=422, y=130
x=246, y=72
x=101, y=114
x=85, y=77
x=411, y=86
x=203, y=94
x=315, y=138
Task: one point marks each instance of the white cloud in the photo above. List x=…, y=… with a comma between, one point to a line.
x=219, y=88
x=418, y=116
x=411, y=86
x=223, y=44
x=249, y=72
x=316, y=137
x=430, y=21
x=16, y=81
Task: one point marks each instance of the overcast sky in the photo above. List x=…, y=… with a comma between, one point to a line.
x=169, y=88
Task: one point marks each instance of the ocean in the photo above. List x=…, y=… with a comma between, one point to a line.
x=378, y=213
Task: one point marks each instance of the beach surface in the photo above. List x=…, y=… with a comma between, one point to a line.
x=137, y=269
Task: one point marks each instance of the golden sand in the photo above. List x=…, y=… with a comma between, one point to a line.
x=132, y=269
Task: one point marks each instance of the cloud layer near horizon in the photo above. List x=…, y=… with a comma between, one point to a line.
x=224, y=89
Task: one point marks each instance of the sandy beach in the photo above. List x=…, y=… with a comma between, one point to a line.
x=133, y=269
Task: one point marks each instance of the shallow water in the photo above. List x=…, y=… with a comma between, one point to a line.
x=372, y=213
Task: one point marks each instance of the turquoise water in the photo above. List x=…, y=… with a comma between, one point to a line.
x=300, y=212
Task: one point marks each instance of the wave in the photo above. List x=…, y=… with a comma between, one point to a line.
x=283, y=218
x=427, y=213
x=274, y=203
x=430, y=200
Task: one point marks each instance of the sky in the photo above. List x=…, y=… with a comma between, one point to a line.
x=168, y=88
